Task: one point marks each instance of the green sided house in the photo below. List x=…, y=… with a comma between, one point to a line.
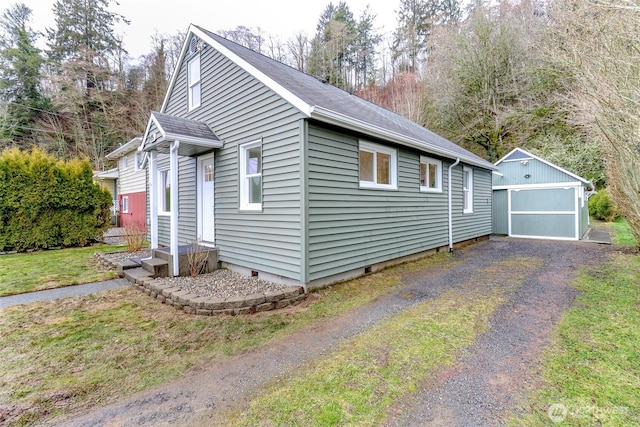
x=297, y=181
x=536, y=199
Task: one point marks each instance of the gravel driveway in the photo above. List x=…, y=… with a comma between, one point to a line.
x=487, y=381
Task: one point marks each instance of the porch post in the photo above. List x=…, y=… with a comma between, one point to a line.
x=153, y=198
x=173, y=165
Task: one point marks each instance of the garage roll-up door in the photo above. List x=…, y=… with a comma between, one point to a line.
x=544, y=213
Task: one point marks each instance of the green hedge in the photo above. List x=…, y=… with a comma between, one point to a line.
x=602, y=207
x=46, y=203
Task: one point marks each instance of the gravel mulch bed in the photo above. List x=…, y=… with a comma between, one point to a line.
x=222, y=284
x=124, y=255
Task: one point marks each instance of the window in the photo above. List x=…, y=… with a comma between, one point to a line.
x=193, y=79
x=125, y=204
x=138, y=160
x=430, y=174
x=124, y=163
x=165, y=192
x=378, y=166
x=251, y=176
x=467, y=188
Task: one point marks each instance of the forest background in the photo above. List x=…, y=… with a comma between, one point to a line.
x=560, y=78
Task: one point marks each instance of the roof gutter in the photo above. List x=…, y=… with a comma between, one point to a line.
x=337, y=119
x=450, y=207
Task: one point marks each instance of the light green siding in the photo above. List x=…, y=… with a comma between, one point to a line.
x=500, y=209
x=240, y=109
x=351, y=227
x=514, y=173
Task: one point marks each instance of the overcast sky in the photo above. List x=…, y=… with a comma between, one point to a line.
x=281, y=18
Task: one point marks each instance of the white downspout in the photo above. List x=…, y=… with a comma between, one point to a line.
x=153, y=198
x=173, y=165
x=450, y=208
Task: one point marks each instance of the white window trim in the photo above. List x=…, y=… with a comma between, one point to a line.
x=161, y=193
x=124, y=163
x=467, y=193
x=192, y=84
x=138, y=160
x=438, y=164
x=244, y=178
x=125, y=204
x=393, y=170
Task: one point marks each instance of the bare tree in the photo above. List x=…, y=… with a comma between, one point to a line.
x=599, y=41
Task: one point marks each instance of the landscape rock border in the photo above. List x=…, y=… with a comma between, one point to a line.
x=207, y=306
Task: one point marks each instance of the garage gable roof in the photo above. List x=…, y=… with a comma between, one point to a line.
x=518, y=154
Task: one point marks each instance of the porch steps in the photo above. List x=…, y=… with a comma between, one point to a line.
x=156, y=267
x=136, y=275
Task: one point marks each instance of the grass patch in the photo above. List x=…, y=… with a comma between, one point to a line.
x=77, y=352
x=35, y=271
x=359, y=383
x=593, y=368
x=621, y=233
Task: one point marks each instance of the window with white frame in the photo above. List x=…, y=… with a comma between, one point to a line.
x=430, y=174
x=467, y=188
x=138, y=160
x=378, y=166
x=251, y=176
x=165, y=192
x=193, y=79
x=124, y=163
x=125, y=204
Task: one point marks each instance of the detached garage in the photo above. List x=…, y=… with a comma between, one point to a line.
x=536, y=199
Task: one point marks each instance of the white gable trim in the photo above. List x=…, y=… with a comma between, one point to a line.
x=259, y=75
x=533, y=156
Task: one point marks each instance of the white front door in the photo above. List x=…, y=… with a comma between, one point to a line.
x=206, y=231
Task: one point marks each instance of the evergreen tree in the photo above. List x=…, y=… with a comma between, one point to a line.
x=20, y=69
x=85, y=36
x=332, y=49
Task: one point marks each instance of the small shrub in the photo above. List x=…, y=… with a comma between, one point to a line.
x=135, y=235
x=601, y=206
x=197, y=257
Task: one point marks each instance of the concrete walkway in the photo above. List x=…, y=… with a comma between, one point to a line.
x=67, y=291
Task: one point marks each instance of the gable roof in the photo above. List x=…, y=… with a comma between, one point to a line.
x=520, y=154
x=326, y=103
x=197, y=135
x=125, y=148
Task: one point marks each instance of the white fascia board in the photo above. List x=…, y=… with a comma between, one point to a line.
x=507, y=155
x=333, y=118
x=266, y=80
x=145, y=136
x=537, y=186
x=125, y=148
x=203, y=142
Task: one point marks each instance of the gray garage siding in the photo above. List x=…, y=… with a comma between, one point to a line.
x=240, y=109
x=350, y=227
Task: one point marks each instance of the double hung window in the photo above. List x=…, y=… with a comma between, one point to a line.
x=378, y=166
x=251, y=176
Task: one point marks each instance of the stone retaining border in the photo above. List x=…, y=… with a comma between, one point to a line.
x=205, y=306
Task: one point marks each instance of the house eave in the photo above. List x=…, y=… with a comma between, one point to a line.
x=333, y=118
x=125, y=148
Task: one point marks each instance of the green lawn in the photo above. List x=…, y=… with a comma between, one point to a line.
x=592, y=372
x=78, y=352
x=621, y=233
x=34, y=271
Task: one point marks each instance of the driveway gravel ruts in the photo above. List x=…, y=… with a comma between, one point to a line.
x=487, y=380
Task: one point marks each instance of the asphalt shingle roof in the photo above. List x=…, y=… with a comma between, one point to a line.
x=315, y=92
x=189, y=128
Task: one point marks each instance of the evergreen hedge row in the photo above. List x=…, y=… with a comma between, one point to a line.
x=47, y=203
